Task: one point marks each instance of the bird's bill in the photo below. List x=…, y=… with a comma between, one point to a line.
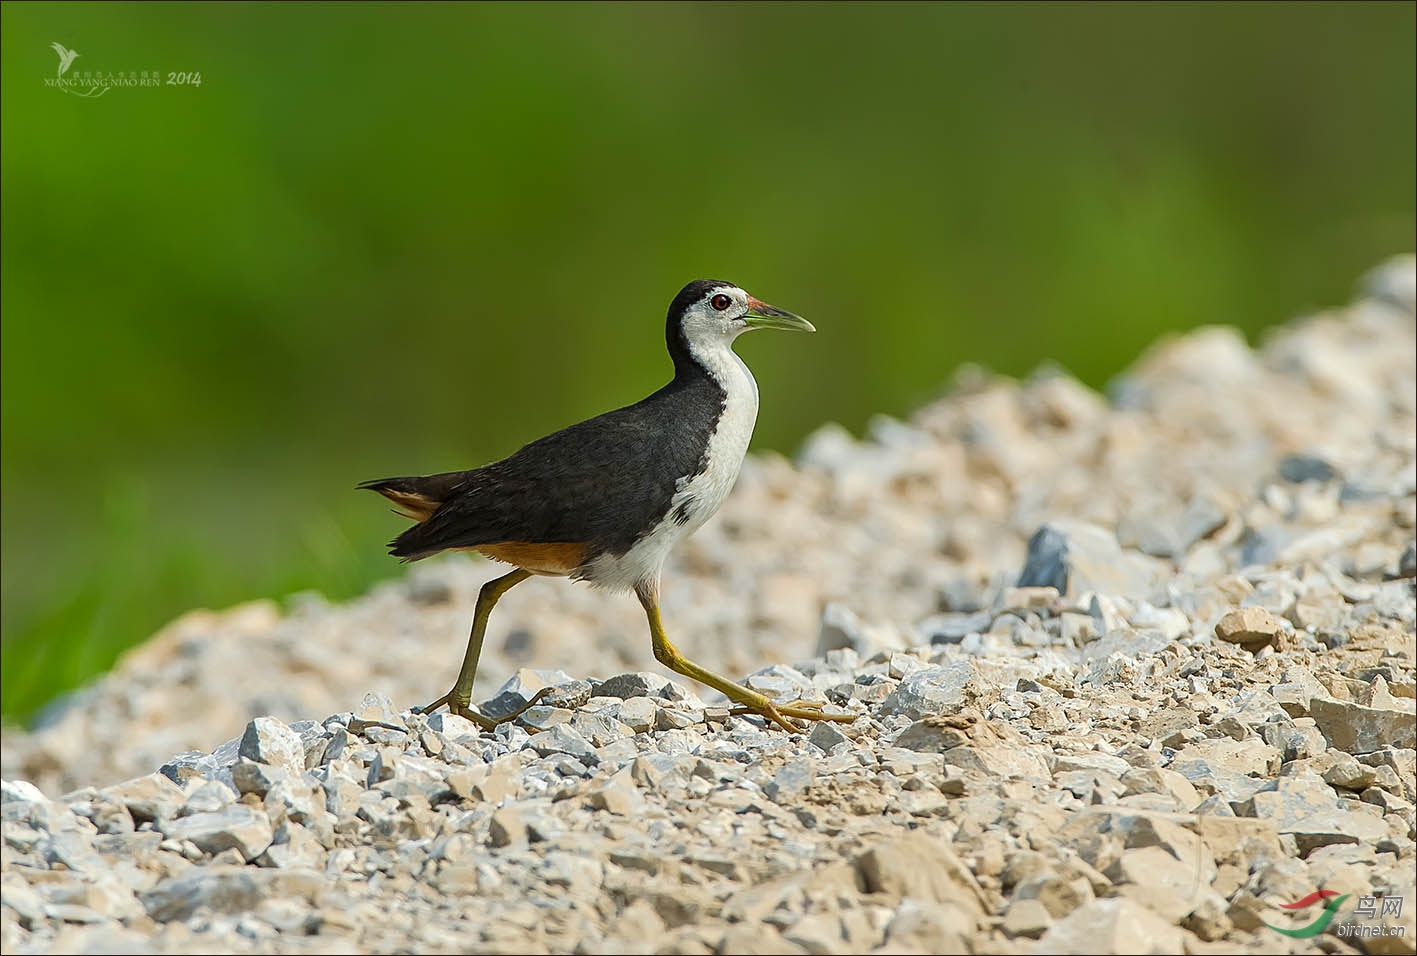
x=760, y=315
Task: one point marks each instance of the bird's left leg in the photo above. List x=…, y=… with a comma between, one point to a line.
x=667, y=654
x=459, y=699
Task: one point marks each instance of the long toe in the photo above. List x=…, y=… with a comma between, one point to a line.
x=815, y=710
x=788, y=716
x=445, y=699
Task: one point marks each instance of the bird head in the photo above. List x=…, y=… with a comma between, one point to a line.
x=710, y=312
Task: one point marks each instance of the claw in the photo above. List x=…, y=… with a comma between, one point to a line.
x=463, y=709
x=786, y=716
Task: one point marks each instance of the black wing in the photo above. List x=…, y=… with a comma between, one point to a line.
x=602, y=482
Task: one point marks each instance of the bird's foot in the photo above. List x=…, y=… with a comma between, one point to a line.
x=793, y=717
x=463, y=708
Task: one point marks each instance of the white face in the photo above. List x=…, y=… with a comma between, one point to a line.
x=717, y=317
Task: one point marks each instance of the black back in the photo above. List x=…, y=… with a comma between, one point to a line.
x=603, y=482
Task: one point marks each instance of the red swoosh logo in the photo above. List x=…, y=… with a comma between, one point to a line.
x=1309, y=900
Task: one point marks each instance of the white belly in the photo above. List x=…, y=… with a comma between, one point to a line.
x=698, y=496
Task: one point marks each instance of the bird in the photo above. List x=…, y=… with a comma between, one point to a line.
x=66, y=57
x=605, y=500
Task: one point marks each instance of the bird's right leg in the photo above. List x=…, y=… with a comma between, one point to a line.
x=460, y=697
x=750, y=701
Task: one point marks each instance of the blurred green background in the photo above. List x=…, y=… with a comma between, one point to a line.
x=388, y=239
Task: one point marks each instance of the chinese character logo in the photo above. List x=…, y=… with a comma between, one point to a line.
x=66, y=57
x=1368, y=906
x=91, y=84
x=1334, y=901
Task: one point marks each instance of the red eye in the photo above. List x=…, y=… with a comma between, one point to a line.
x=721, y=302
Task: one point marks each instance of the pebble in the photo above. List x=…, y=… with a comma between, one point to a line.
x=1127, y=676
x=1251, y=627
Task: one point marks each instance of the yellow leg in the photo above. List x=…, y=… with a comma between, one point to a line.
x=460, y=696
x=752, y=702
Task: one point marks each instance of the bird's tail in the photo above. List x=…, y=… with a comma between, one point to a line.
x=415, y=498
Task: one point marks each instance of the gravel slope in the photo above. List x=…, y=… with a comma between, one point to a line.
x=1131, y=672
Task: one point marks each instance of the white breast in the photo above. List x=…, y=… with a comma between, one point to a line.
x=701, y=494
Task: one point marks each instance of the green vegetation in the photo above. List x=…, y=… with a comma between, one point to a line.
x=382, y=239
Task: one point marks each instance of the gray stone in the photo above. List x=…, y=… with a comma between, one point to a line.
x=206, y=796
x=294, y=848
x=1056, y=893
x=1298, y=469
x=1114, y=926
x=1150, y=534
x=1294, y=741
x=544, y=718
x=1082, y=557
x=1137, y=780
x=568, y=695
x=1307, y=808
x=638, y=713
x=504, y=703
x=1356, y=729
x=257, y=778
x=1047, y=562
x=190, y=766
x=148, y=798
x=1076, y=629
x=998, y=760
x=951, y=628
x=791, y=782
x=922, y=868
x=1202, y=517
x=226, y=889
x=562, y=739
x=633, y=684
x=934, y=734
x=506, y=828
x=20, y=791
x=667, y=718
x=1092, y=762
x=1027, y=917
x=375, y=711
x=1347, y=773
x=271, y=742
x=454, y=727
x=781, y=682
x=925, y=926
x=618, y=796
x=826, y=735
x=1156, y=879
x=662, y=770
x=941, y=690
x=236, y=827
x=841, y=628
x=599, y=728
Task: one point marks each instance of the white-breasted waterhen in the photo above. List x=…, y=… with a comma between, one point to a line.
x=604, y=500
